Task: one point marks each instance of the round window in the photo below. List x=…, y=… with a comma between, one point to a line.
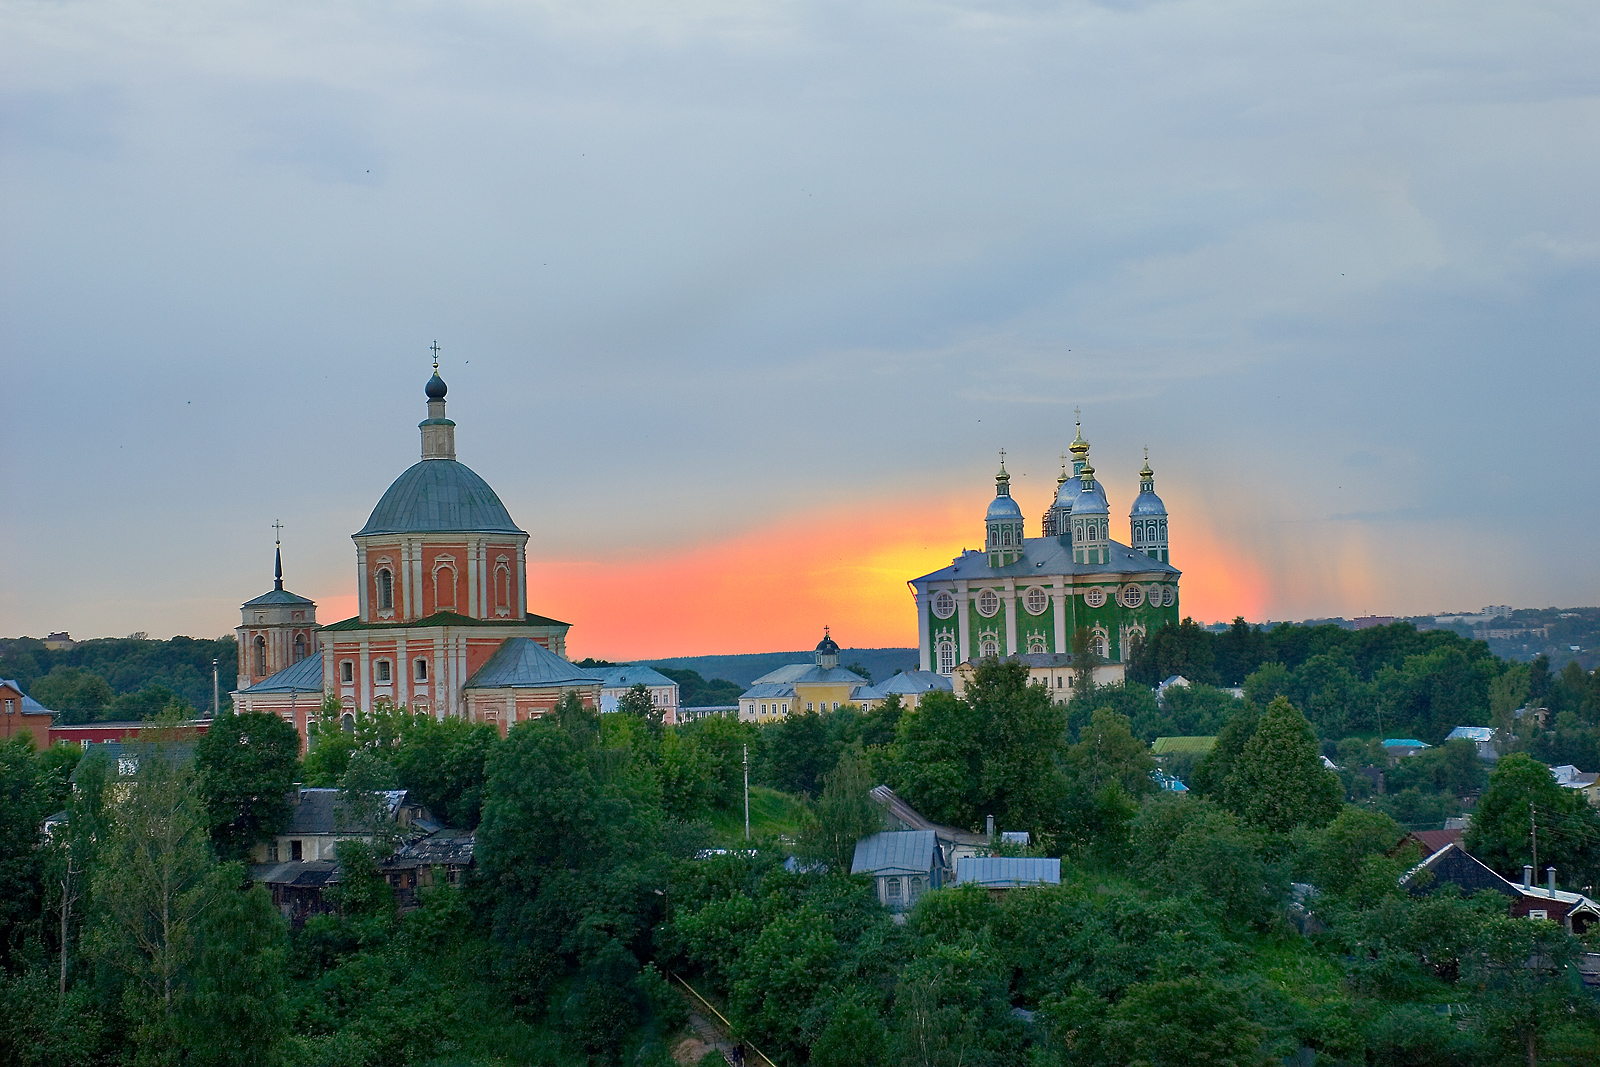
x=1132, y=596
x=988, y=603
x=1169, y=597
x=944, y=604
x=1094, y=597
x=1036, y=601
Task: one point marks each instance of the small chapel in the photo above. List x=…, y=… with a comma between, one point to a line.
x=1027, y=597
x=443, y=625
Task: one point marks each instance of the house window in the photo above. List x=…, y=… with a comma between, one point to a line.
x=1539, y=913
x=809, y=707
x=385, y=590
x=786, y=709
x=299, y=647
x=261, y=654
x=947, y=657
x=381, y=669
x=347, y=672
x=272, y=852
x=296, y=850
x=422, y=670
x=1138, y=535
x=763, y=709
x=835, y=705
x=891, y=888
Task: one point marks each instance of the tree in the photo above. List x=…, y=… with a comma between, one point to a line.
x=638, y=702
x=1507, y=693
x=843, y=813
x=1214, y=769
x=236, y=1012
x=1278, y=782
x=20, y=816
x=247, y=764
x=79, y=695
x=1107, y=753
x=1178, y=1023
x=1239, y=651
x=363, y=807
x=1522, y=795
x=441, y=765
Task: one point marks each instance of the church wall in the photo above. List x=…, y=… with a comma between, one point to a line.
x=479, y=577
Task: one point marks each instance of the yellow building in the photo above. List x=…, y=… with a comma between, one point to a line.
x=800, y=687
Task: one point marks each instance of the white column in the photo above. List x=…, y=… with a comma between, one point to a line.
x=924, y=630
x=365, y=701
x=416, y=570
x=522, y=581
x=963, y=613
x=472, y=579
x=361, y=583
x=402, y=684
x=1009, y=597
x=1058, y=600
x=406, y=610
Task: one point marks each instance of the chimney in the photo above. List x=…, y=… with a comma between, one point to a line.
x=988, y=827
x=1550, y=878
x=1527, y=876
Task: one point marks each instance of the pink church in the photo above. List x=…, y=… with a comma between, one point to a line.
x=443, y=626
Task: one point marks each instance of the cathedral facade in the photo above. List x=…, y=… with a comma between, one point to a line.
x=1027, y=596
x=442, y=626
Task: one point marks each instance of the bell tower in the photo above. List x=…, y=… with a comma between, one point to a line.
x=277, y=629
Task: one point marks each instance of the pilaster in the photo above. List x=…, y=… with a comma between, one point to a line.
x=963, y=622
x=1008, y=597
x=924, y=630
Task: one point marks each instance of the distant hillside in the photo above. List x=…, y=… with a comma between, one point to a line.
x=882, y=662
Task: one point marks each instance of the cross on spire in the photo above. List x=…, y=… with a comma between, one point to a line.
x=435, y=347
x=277, y=532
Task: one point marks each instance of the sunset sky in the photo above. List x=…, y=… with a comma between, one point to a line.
x=738, y=302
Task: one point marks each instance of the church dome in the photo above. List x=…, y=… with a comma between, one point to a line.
x=827, y=646
x=1003, y=508
x=1090, y=501
x=439, y=496
x=1147, y=504
x=436, y=387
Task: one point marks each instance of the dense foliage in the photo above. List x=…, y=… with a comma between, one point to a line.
x=611, y=870
x=120, y=679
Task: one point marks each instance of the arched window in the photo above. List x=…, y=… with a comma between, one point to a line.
x=348, y=723
x=1036, y=645
x=892, y=889
x=299, y=647
x=1099, y=645
x=1005, y=536
x=444, y=587
x=385, y=590
x=502, y=590
x=1138, y=535
x=989, y=648
x=947, y=657
x=261, y=654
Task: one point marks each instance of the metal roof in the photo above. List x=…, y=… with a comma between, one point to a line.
x=318, y=811
x=1471, y=733
x=767, y=689
x=523, y=663
x=810, y=674
x=1044, y=556
x=896, y=852
x=905, y=815
x=628, y=674
x=276, y=596
x=1000, y=872
x=906, y=682
x=439, y=495
x=30, y=706
x=1201, y=745
x=442, y=618
x=302, y=677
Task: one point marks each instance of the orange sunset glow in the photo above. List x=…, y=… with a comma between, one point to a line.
x=775, y=586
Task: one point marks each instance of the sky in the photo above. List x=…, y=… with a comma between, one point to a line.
x=737, y=302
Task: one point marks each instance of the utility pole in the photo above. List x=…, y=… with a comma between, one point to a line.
x=216, y=690
x=1533, y=830
x=747, y=793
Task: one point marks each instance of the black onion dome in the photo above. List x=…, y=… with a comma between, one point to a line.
x=828, y=646
x=436, y=387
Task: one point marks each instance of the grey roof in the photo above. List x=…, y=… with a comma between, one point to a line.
x=277, y=596
x=767, y=689
x=523, y=663
x=1003, y=507
x=114, y=752
x=30, y=706
x=1091, y=501
x=629, y=674
x=896, y=852
x=999, y=872
x=904, y=683
x=302, y=677
x=810, y=673
x=447, y=847
x=898, y=812
x=302, y=873
x=1471, y=733
x=1047, y=556
x=439, y=495
x=318, y=811
x=1148, y=504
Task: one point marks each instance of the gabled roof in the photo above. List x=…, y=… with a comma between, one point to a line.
x=1043, y=556
x=767, y=690
x=1198, y=745
x=1434, y=840
x=896, y=852
x=905, y=683
x=902, y=814
x=629, y=675
x=441, y=618
x=304, y=874
x=1471, y=733
x=1455, y=865
x=30, y=706
x=302, y=677
x=318, y=811
x=1003, y=872
x=810, y=674
x=523, y=663
x=276, y=596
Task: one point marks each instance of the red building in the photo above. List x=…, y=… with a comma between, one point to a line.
x=94, y=733
x=443, y=625
x=20, y=714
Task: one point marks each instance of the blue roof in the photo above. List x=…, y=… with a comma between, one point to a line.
x=302, y=677
x=523, y=663
x=276, y=596
x=438, y=495
x=906, y=682
x=1003, y=507
x=1000, y=872
x=1148, y=504
x=1471, y=733
x=810, y=674
x=629, y=675
x=1047, y=556
x=896, y=852
x=30, y=706
x=1404, y=742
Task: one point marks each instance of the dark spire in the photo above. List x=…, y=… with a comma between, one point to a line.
x=277, y=552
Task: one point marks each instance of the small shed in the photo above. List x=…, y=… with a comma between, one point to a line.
x=997, y=873
x=903, y=863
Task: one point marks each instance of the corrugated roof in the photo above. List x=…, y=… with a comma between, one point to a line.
x=1471, y=733
x=767, y=689
x=523, y=663
x=1000, y=872
x=318, y=811
x=1199, y=745
x=906, y=682
x=895, y=852
x=302, y=677
x=439, y=495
